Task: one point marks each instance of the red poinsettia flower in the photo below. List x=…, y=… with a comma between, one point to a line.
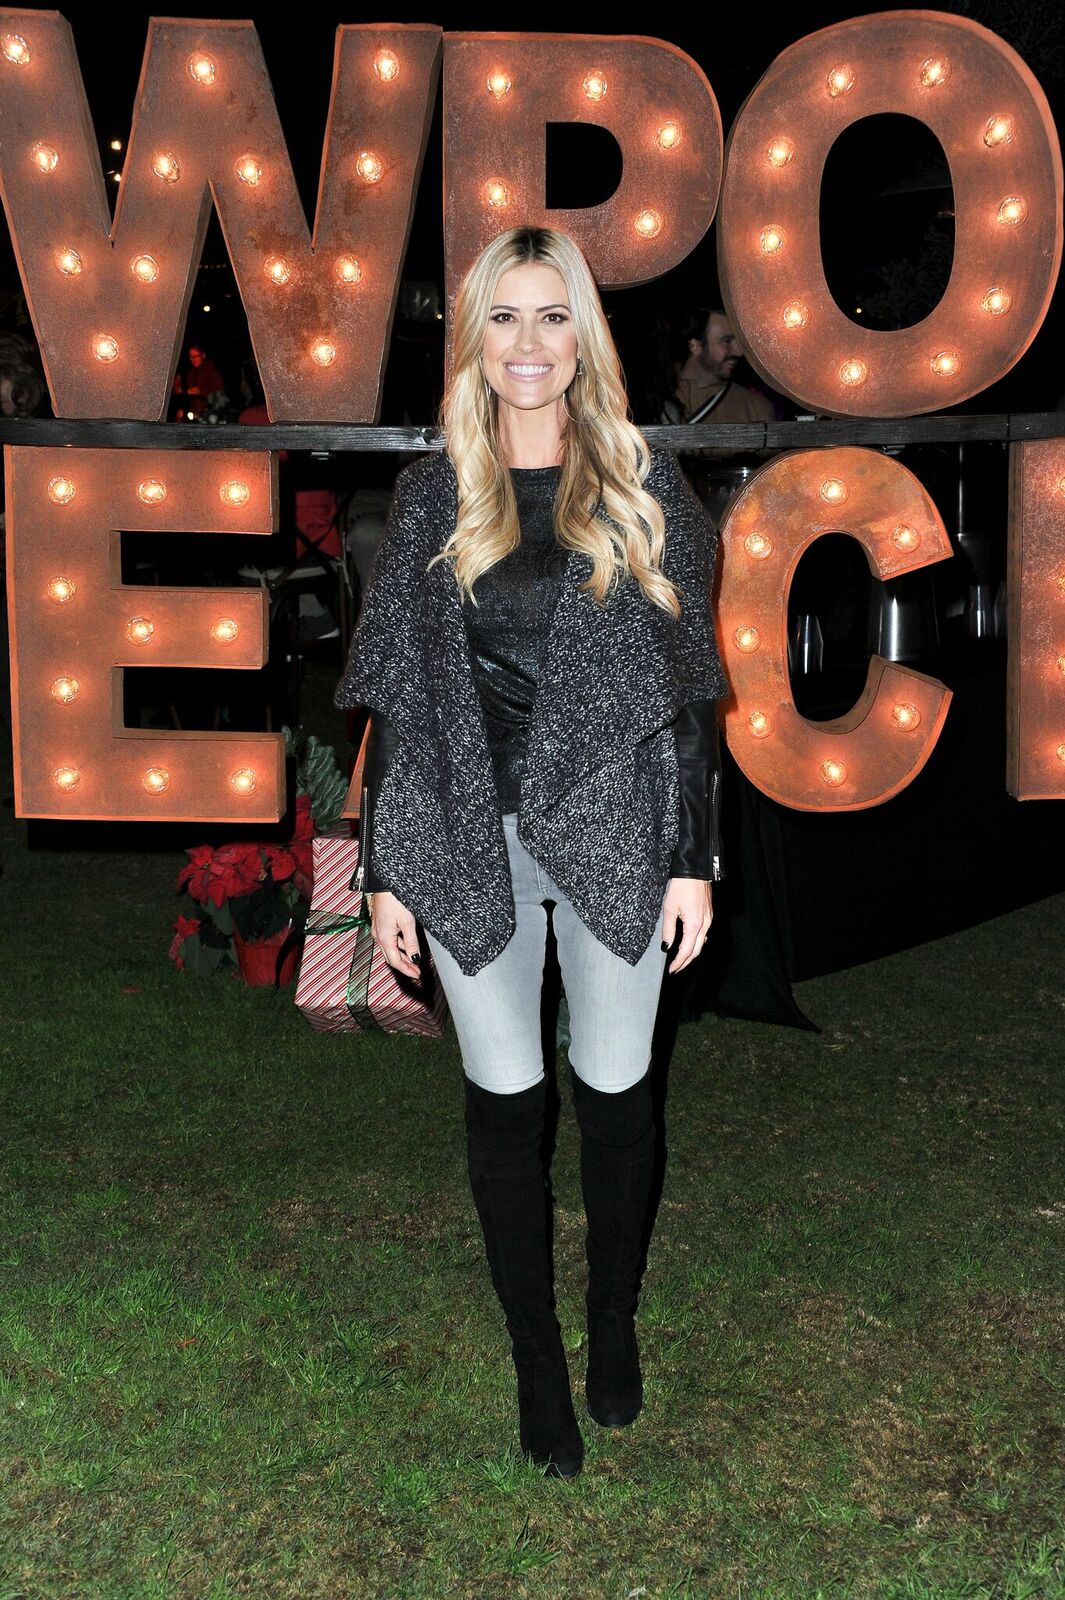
x=184, y=927
x=218, y=875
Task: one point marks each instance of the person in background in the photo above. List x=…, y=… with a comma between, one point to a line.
x=199, y=380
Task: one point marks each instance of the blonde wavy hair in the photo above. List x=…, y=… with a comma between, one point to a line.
x=602, y=507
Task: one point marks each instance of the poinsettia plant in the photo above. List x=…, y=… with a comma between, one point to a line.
x=252, y=887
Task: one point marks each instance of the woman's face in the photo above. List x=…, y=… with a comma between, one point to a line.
x=530, y=345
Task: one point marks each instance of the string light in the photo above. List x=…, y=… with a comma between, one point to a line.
x=61, y=491
x=499, y=85
x=156, y=779
x=648, y=224
x=45, y=156
x=234, y=493
x=668, y=135
x=152, y=492
x=771, y=239
x=758, y=545
x=323, y=352
x=780, y=152
x=347, y=270
x=840, y=81
x=249, y=170
x=595, y=84
x=15, y=49
x=369, y=167
x=167, y=167
x=61, y=589
x=386, y=66
x=796, y=315
x=144, y=268
x=998, y=130
x=1012, y=211
x=244, y=780
x=65, y=777
x=945, y=363
x=934, y=71
x=277, y=269
x=69, y=262
x=759, y=724
x=64, y=690
x=996, y=302
x=496, y=193
x=140, y=630
x=225, y=630
x=905, y=537
x=906, y=716
x=834, y=773
x=853, y=373
x=747, y=639
x=834, y=491
x=105, y=347
x=202, y=70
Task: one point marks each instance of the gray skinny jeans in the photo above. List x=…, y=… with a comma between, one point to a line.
x=612, y=1005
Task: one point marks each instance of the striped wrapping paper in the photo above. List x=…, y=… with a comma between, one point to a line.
x=397, y=1003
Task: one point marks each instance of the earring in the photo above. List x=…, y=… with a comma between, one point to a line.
x=580, y=368
x=487, y=385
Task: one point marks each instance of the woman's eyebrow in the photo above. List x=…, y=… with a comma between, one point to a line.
x=558, y=306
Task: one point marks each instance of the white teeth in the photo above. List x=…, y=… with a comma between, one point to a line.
x=526, y=372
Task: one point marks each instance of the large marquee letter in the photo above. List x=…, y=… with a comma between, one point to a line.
x=75, y=626
x=109, y=302
x=1036, y=672
x=864, y=757
x=993, y=121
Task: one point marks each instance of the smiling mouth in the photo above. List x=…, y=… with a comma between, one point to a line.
x=528, y=369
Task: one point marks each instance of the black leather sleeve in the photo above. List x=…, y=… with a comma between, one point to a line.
x=698, y=849
x=380, y=748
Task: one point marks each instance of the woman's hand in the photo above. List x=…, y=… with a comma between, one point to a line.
x=687, y=900
x=394, y=930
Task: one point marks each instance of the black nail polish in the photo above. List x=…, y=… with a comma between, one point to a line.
x=664, y=945
x=417, y=959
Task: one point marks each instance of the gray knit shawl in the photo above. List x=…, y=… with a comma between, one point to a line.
x=600, y=787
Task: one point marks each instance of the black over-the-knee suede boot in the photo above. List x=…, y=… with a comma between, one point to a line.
x=617, y=1162
x=504, y=1133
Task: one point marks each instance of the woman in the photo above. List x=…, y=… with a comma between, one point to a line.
x=537, y=650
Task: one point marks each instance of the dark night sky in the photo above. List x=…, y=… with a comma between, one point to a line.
x=298, y=45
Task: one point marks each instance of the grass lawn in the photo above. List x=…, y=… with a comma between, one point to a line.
x=249, y=1345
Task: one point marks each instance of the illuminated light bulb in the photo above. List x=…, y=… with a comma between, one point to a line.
x=64, y=690
x=45, y=156
x=201, y=69
x=945, y=363
x=156, y=779
x=499, y=85
x=151, y=491
x=1060, y=753
x=594, y=84
x=61, y=590
x=906, y=716
x=934, y=71
x=225, y=630
x=668, y=135
x=65, y=777
x=245, y=780
x=747, y=639
x=496, y=193
x=853, y=373
x=68, y=262
x=15, y=49
x=996, y=302
x=167, y=167
x=771, y=239
x=249, y=170
x=140, y=630
x=277, y=269
x=369, y=167
x=61, y=490
x=323, y=352
x=796, y=315
x=758, y=545
x=116, y=144
x=780, y=152
x=834, y=491
x=347, y=269
x=998, y=130
x=1012, y=211
x=386, y=65
x=905, y=537
x=234, y=493
x=840, y=81
x=1061, y=664
x=833, y=773
x=144, y=268
x=648, y=224
x=759, y=724
x=104, y=347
